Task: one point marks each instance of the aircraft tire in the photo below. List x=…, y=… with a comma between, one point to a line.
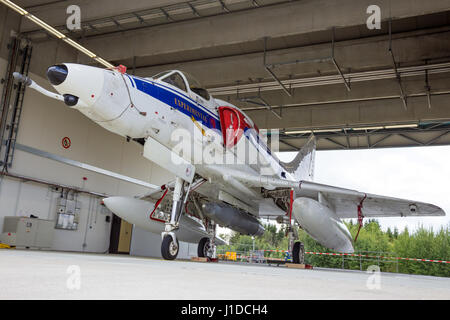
x=169, y=249
x=201, y=249
x=298, y=253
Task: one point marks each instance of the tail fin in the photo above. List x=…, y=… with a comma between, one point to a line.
x=302, y=167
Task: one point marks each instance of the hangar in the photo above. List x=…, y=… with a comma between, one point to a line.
x=295, y=66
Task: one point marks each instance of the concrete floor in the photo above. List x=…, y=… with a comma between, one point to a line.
x=46, y=275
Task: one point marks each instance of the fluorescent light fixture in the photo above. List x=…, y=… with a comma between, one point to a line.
x=298, y=132
x=312, y=131
x=368, y=128
x=399, y=126
x=15, y=7
x=45, y=26
x=103, y=62
x=327, y=130
x=80, y=48
x=56, y=33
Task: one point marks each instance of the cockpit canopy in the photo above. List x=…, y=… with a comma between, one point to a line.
x=183, y=80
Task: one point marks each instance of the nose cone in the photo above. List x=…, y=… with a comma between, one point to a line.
x=78, y=81
x=57, y=74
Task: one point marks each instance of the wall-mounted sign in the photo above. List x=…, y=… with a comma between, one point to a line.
x=66, y=143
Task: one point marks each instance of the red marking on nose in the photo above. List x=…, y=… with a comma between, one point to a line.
x=121, y=68
x=9, y=234
x=112, y=93
x=92, y=96
x=156, y=112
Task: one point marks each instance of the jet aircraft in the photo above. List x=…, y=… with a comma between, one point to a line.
x=217, y=180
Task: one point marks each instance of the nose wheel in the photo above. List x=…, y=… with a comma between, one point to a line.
x=169, y=248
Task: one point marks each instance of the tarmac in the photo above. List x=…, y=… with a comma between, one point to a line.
x=30, y=275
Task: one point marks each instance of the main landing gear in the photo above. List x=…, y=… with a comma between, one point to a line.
x=296, y=247
x=170, y=245
x=298, y=253
x=206, y=249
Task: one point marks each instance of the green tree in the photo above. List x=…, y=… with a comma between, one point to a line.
x=372, y=240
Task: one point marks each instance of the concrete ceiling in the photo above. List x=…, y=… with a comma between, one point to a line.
x=222, y=44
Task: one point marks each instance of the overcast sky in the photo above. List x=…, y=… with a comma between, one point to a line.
x=418, y=173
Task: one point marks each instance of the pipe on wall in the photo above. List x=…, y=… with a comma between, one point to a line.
x=52, y=184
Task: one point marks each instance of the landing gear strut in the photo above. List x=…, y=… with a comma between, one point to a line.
x=296, y=247
x=170, y=245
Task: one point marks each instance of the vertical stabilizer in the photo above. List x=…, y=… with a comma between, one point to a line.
x=302, y=167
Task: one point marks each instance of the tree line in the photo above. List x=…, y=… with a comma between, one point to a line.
x=372, y=240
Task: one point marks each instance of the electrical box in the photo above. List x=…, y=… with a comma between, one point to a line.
x=27, y=232
x=68, y=214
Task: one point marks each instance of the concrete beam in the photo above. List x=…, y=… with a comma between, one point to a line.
x=361, y=91
x=371, y=140
x=355, y=113
x=354, y=55
x=295, y=18
x=55, y=13
x=371, y=54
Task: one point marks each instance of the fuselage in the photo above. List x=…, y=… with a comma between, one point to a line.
x=174, y=110
x=172, y=113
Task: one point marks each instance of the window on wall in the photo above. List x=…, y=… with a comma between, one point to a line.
x=176, y=80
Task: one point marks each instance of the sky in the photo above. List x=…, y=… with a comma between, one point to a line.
x=415, y=173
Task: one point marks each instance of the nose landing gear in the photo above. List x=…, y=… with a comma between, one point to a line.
x=169, y=247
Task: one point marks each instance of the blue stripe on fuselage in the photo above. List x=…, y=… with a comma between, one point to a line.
x=131, y=80
x=189, y=108
x=179, y=102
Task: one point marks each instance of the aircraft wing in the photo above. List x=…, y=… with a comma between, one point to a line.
x=346, y=205
x=346, y=201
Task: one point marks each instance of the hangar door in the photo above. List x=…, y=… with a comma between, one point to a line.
x=121, y=232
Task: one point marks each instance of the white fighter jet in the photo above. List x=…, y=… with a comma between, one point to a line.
x=224, y=173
